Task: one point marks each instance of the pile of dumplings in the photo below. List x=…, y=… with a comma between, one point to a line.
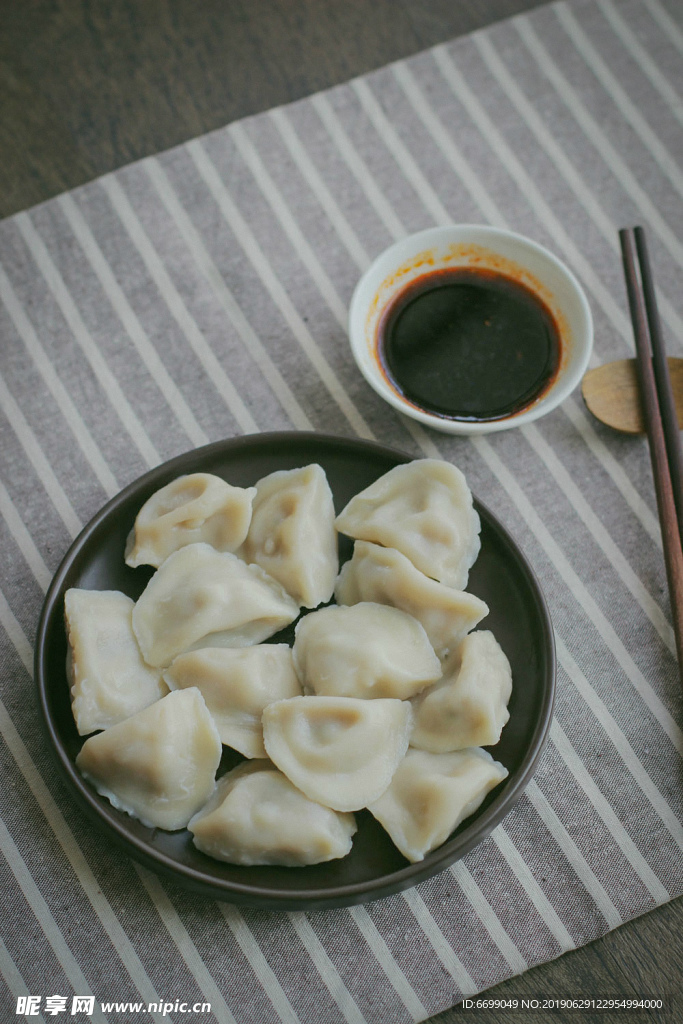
x=384, y=701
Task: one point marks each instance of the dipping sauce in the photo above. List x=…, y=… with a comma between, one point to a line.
x=468, y=344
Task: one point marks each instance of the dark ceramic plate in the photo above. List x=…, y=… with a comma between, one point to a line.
x=501, y=576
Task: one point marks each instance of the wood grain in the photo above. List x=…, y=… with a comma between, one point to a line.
x=87, y=86
x=652, y=412
x=612, y=394
x=644, y=958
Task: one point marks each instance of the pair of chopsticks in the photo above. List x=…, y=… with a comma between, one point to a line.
x=660, y=415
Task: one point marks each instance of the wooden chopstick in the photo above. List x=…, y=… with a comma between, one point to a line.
x=667, y=405
x=646, y=339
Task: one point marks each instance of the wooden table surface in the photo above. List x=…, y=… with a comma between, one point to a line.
x=89, y=85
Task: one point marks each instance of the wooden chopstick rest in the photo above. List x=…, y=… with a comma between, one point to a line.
x=612, y=393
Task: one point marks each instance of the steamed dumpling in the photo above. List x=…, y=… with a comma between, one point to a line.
x=292, y=534
x=256, y=816
x=237, y=683
x=109, y=680
x=366, y=650
x=206, y=598
x=195, y=508
x=423, y=509
x=468, y=707
x=430, y=794
x=339, y=751
x=160, y=764
x=388, y=577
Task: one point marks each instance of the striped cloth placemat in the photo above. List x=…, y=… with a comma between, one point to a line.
x=202, y=294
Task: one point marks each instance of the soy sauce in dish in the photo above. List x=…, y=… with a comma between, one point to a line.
x=468, y=344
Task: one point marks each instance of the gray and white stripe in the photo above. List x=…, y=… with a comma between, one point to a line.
x=251, y=241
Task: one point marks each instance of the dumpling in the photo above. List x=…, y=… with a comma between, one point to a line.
x=256, y=816
x=430, y=795
x=468, y=707
x=109, y=680
x=237, y=683
x=160, y=764
x=388, y=577
x=199, y=507
x=292, y=534
x=201, y=597
x=339, y=751
x=423, y=509
x=366, y=650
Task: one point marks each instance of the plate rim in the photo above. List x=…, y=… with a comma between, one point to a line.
x=266, y=897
